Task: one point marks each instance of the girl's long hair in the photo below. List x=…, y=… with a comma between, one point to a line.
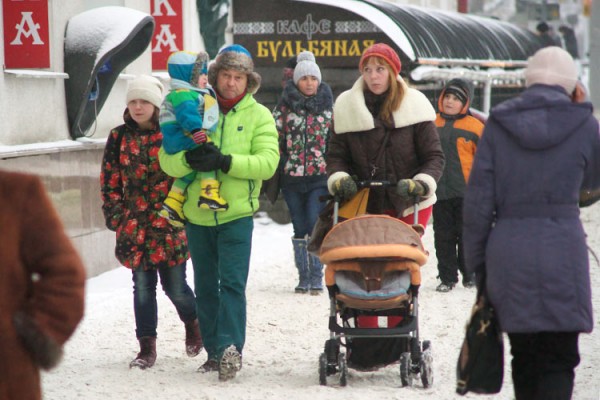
x=395, y=92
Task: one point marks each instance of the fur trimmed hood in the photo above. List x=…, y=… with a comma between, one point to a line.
x=352, y=115
x=297, y=102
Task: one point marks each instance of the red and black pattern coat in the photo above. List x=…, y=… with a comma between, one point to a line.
x=133, y=189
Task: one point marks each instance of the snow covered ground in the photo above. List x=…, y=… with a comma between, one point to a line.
x=285, y=336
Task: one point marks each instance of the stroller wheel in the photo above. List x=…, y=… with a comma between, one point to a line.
x=426, y=365
x=405, y=369
x=323, y=369
x=343, y=368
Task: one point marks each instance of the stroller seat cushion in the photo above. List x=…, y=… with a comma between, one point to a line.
x=393, y=284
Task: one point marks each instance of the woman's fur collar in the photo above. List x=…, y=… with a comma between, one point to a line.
x=351, y=113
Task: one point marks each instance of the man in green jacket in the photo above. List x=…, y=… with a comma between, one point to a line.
x=244, y=152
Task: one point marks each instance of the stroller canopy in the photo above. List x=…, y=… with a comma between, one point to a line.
x=373, y=236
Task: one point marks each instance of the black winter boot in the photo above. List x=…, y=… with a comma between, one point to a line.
x=147, y=355
x=193, y=339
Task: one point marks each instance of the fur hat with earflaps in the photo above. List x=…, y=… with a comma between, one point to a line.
x=237, y=58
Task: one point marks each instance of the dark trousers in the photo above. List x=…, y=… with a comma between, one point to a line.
x=221, y=259
x=174, y=284
x=447, y=226
x=543, y=364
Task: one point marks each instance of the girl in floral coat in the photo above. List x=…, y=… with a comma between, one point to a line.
x=133, y=190
x=303, y=118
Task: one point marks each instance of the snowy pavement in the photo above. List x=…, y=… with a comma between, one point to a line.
x=286, y=333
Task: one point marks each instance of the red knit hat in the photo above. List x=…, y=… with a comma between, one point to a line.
x=383, y=51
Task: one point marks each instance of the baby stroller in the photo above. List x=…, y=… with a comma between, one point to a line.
x=373, y=277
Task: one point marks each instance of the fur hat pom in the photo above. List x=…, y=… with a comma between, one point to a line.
x=237, y=58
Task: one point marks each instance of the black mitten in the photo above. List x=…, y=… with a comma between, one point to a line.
x=208, y=158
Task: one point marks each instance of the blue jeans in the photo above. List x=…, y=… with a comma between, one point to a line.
x=145, y=308
x=304, y=208
x=221, y=259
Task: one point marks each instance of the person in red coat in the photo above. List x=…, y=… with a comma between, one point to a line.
x=42, y=281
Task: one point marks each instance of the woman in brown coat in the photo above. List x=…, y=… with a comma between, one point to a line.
x=385, y=130
x=42, y=282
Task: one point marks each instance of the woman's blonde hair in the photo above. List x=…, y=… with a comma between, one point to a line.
x=395, y=91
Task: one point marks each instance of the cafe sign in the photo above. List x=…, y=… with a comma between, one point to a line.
x=274, y=31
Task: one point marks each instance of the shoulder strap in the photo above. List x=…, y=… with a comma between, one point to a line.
x=380, y=153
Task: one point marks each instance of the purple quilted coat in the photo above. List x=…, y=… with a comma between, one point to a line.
x=521, y=214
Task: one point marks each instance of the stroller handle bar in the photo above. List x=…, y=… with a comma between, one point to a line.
x=371, y=184
x=375, y=184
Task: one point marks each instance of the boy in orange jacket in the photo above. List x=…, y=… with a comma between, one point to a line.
x=459, y=133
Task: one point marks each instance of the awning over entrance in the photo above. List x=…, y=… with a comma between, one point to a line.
x=430, y=36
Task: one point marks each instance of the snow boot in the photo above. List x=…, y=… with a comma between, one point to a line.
x=193, y=338
x=172, y=209
x=147, y=355
x=316, y=275
x=301, y=260
x=445, y=287
x=230, y=364
x=211, y=365
x=210, y=199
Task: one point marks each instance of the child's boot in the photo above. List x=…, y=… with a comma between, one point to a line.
x=210, y=199
x=172, y=209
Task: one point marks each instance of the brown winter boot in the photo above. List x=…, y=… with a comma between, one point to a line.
x=147, y=355
x=193, y=339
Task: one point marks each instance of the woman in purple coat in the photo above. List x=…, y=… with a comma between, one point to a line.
x=521, y=223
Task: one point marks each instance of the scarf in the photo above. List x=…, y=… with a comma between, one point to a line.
x=227, y=104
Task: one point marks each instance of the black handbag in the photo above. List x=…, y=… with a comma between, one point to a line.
x=480, y=367
x=272, y=186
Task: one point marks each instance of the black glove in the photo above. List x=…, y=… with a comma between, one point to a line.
x=345, y=188
x=408, y=188
x=208, y=158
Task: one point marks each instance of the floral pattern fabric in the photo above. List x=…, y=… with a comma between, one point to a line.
x=304, y=124
x=133, y=189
